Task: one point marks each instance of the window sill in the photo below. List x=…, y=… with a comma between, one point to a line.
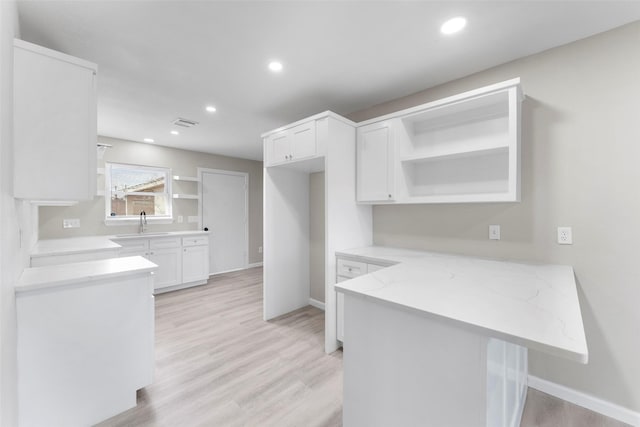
x=132, y=221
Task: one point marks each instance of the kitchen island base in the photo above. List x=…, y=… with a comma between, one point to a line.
x=403, y=367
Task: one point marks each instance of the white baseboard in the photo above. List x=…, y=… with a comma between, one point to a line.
x=255, y=264
x=315, y=303
x=592, y=403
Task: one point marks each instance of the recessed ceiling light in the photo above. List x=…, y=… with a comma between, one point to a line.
x=275, y=66
x=175, y=132
x=453, y=25
x=148, y=140
x=210, y=108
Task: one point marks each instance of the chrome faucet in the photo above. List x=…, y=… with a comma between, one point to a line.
x=143, y=222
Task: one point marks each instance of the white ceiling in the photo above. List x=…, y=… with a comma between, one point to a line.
x=159, y=60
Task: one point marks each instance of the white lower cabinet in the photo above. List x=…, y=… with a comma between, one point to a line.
x=348, y=269
x=180, y=260
x=195, y=259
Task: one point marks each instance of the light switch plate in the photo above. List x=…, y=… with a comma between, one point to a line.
x=494, y=232
x=193, y=218
x=71, y=223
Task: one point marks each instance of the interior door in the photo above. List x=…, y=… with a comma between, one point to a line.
x=224, y=213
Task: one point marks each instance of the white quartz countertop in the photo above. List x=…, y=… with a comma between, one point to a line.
x=75, y=245
x=532, y=305
x=57, y=276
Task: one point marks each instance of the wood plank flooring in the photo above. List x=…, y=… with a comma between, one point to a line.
x=219, y=364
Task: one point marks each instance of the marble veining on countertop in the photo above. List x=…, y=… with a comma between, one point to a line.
x=532, y=305
x=61, y=275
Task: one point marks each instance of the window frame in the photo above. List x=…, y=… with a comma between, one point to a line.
x=131, y=219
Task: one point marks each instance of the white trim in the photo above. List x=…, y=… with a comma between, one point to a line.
x=254, y=264
x=317, y=304
x=585, y=400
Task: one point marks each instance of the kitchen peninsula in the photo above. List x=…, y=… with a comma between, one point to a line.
x=445, y=338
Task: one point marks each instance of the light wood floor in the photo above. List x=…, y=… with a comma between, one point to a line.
x=219, y=364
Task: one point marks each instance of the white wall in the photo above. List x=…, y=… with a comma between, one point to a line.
x=181, y=162
x=316, y=235
x=18, y=221
x=581, y=168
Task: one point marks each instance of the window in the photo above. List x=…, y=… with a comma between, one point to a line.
x=131, y=189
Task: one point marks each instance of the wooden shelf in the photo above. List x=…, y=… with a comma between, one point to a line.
x=186, y=196
x=454, y=154
x=185, y=178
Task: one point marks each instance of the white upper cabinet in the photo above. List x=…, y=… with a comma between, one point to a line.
x=375, y=159
x=55, y=127
x=464, y=148
x=292, y=144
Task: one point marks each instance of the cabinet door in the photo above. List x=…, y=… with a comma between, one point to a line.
x=278, y=147
x=375, y=163
x=55, y=127
x=169, y=267
x=195, y=263
x=303, y=140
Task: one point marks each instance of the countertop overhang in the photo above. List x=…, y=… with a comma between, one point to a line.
x=80, y=273
x=532, y=305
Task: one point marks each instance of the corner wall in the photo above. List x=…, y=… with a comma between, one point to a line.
x=580, y=168
x=18, y=222
x=181, y=162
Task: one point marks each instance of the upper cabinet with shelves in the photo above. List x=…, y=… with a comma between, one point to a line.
x=55, y=127
x=464, y=148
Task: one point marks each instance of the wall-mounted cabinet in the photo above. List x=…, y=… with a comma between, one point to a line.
x=292, y=144
x=465, y=148
x=376, y=162
x=54, y=125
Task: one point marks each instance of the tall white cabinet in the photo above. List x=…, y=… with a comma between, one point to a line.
x=324, y=142
x=55, y=125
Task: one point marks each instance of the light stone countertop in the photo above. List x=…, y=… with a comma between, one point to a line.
x=532, y=305
x=76, y=245
x=80, y=273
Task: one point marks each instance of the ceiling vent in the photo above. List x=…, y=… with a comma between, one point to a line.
x=185, y=123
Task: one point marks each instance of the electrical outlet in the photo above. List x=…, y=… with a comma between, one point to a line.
x=192, y=219
x=180, y=219
x=259, y=249
x=71, y=223
x=564, y=236
x=494, y=232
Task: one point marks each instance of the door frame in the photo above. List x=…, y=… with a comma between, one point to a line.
x=245, y=175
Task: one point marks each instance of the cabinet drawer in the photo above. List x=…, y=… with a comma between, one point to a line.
x=350, y=269
x=164, y=243
x=195, y=241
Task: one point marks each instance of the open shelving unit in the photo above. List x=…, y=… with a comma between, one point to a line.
x=464, y=148
x=186, y=196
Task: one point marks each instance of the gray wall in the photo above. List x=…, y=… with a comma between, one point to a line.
x=181, y=162
x=581, y=168
x=316, y=235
